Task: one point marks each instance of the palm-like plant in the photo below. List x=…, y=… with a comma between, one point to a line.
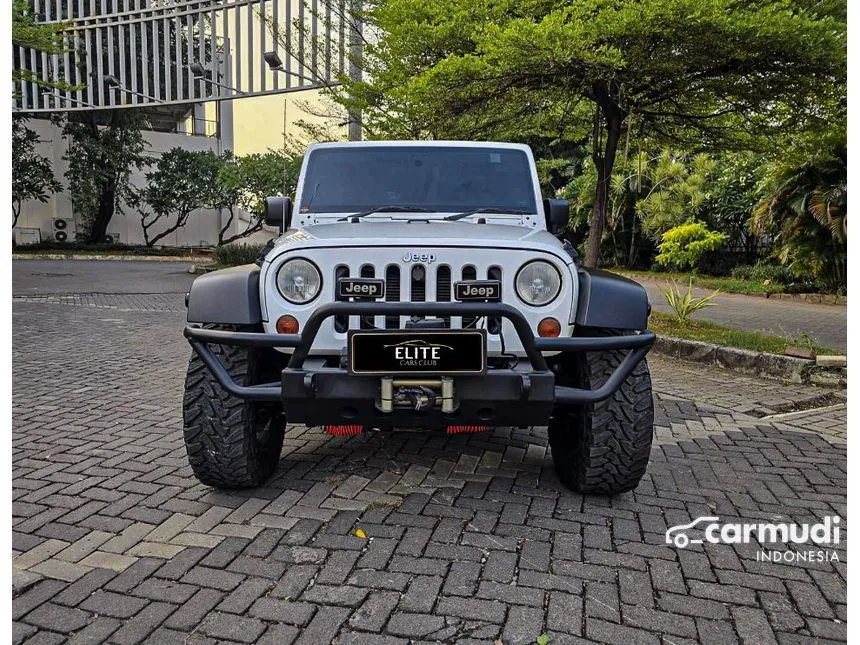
x=684, y=305
x=805, y=209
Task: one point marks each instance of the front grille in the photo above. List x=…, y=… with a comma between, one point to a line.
x=425, y=283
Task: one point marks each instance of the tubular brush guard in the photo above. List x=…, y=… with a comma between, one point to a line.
x=514, y=390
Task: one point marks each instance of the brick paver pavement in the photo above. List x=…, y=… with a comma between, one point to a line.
x=469, y=538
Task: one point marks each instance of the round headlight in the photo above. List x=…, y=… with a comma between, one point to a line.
x=299, y=281
x=538, y=283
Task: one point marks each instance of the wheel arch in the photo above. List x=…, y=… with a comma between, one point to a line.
x=227, y=296
x=611, y=301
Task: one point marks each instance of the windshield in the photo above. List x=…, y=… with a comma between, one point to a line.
x=439, y=179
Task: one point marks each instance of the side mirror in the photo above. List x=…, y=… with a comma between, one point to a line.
x=557, y=213
x=278, y=210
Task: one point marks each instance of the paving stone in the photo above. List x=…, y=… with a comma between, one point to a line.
x=335, y=595
x=233, y=628
x=522, y=624
x=194, y=610
x=57, y=618
x=275, y=609
x=112, y=604
x=143, y=624
x=294, y=581
x=324, y=625
x=414, y=626
x=61, y=570
x=373, y=614
x=244, y=595
x=421, y=594
x=472, y=609
x=279, y=635
x=97, y=631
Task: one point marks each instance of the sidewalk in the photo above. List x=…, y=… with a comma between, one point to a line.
x=827, y=324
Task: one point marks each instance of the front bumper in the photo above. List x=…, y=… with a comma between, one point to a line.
x=317, y=395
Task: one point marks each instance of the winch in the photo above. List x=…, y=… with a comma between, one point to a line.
x=416, y=393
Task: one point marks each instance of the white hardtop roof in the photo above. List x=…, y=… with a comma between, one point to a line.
x=422, y=143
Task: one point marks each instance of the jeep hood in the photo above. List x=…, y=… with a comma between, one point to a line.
x=421, y=235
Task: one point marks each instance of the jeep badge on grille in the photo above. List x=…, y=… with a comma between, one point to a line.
x=366, y=288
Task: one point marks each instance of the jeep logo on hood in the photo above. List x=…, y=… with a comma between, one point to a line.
x=412, y=256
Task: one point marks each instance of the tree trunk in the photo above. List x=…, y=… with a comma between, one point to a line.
x=107, y=205
x=604, y=160
x=631, y=255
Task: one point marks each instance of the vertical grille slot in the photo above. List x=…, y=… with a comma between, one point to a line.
x=418, y=276
x=494, y=323
x=392, y=293
x=366, y=322
x=443, y=288
x=469, y=273
x=341, y=323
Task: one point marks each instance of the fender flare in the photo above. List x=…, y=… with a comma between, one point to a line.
x=611, y=301
x=227, y=296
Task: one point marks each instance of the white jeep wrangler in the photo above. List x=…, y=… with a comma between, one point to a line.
x=418, y=285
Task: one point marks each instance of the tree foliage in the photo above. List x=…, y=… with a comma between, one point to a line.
x=715, y=73
x=180, y=182
x=104, y=147
x=804, y=205
x=47, y=38
x=183, y=181
x=683, y=246
x=32, y=173
x=245, y=182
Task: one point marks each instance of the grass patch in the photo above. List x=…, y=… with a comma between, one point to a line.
x=725, y=284
x=664, y=325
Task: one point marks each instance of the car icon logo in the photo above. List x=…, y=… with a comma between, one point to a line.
x=676, y=534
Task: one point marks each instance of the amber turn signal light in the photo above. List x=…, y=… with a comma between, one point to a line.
x=549, y=328
x=287, y=325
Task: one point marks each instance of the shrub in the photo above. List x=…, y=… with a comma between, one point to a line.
x=236, y=254
x=684, y=305
x=761, y=272
x=683, y=246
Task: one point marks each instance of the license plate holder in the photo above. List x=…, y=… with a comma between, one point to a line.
x=398, y=352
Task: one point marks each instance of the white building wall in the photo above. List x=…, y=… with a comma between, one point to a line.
x=202, y=227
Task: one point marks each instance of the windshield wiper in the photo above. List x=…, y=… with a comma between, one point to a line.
x=386, y=209
x=475, y=211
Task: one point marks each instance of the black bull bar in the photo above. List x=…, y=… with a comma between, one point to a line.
x=637, y=343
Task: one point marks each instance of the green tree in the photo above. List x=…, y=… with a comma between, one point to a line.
x=47, y=38
x=694, y=73
x=32, y=174
x=181, y=182
x=804, y=206
x=649, y=194
x=103, y=149
x=245, y=182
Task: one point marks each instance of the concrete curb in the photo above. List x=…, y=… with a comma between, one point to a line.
x=784, y=368
x=98, y=258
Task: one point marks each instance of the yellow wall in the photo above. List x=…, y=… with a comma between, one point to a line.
x=258, y=122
